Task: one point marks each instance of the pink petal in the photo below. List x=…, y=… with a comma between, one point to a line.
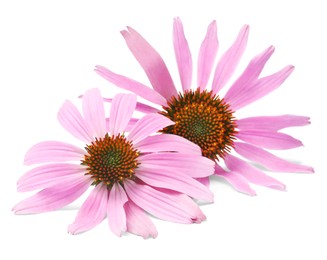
x=121, y=111
x=191, y=165
x=166, y=143
x=229, y=60
x=178, y=182
x=92, y=212
x=115, y=211
x=53, y=151
x=139, y=107
x=162, y=205
x=151, y=62
x=269, y=160
x=131, y=85
x=238, y=182
x=147, y=125
x=71, y=119
x=93, y=110
x=205, y=181
x=55, y=197
x=207, y=55
x=251, y=173
x=138, y=221
x=273, y=123
x=260, y=88
x=268, y=139
x=182, y=54
x=129, y=126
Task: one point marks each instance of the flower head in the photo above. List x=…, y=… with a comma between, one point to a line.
x=129, y=173
x=205, y=118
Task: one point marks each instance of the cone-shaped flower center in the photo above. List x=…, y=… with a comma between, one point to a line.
x=204, y=119
x=110, y=160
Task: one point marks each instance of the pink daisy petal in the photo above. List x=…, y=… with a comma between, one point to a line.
x=273, y=123
x=139, y=107
x=251, y=173
x=178, y=182
x=93, y=110
x=207, y=55
x=121, y=111
x=129, y=126
x=92, y=212
x=205, y=181
x=229, y=60
x=115, y=211
x=138, y=221
x=131, y=85
x=55, y=197
x=53, y=151
x=191, y=165
x=166, y=143
x=268, y=139
x=182, y=54
x=269, y=160
x=71, y=119
x=151, y=62
x=146, y=126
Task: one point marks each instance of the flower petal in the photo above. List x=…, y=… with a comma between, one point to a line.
x=229, y=60
x=151, y=62
x=207, y=55
x=71, y=119
x=166, y=143
x=251, y=173
x=268, y=139
x=148, y=125
x=53, y=151
x=115, y=212
x=92, y=212
x=121, y=111
x=138, y=221
x=93, y=110
x=205, y=181
x=131, y=85
x=139, y=107
x=268, y=160
x=182, y=54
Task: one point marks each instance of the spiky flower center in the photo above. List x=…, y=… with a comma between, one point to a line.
x=204, y=119
x=110, y=160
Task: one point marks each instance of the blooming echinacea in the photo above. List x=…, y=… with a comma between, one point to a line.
x=129, y=173
x=203, y=117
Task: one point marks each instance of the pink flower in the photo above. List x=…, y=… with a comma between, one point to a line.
x=129, y=173
x=206, y=119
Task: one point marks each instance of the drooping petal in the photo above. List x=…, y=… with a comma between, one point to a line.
x=268, y=139
x=269, y=160
x=152, y=63
x=71, y=119
x=55, y=197
x=148, y=125
x=191, y=165
x=115, y=212
x=251, y=173
x=229, y=60
x=139, y=107
x=138, y=221
x=53, y=151
x=182, y=54
x=204, y=180
x=92, y=212
x=121, y=111
x=273, y=123
x=166, y=143
x=131, y=85
x=93, y=110
x=162, y=205
x=207, y=55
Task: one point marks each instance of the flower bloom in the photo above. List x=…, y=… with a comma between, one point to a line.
x=203, y=117
x=129, y=174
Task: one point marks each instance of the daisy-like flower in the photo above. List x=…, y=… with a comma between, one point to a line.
x=203, y=117
x=129, y=174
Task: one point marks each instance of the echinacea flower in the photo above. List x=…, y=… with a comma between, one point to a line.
x=129, y=173
x=203, y=117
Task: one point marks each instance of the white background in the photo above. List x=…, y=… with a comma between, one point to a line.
x=48, y=50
